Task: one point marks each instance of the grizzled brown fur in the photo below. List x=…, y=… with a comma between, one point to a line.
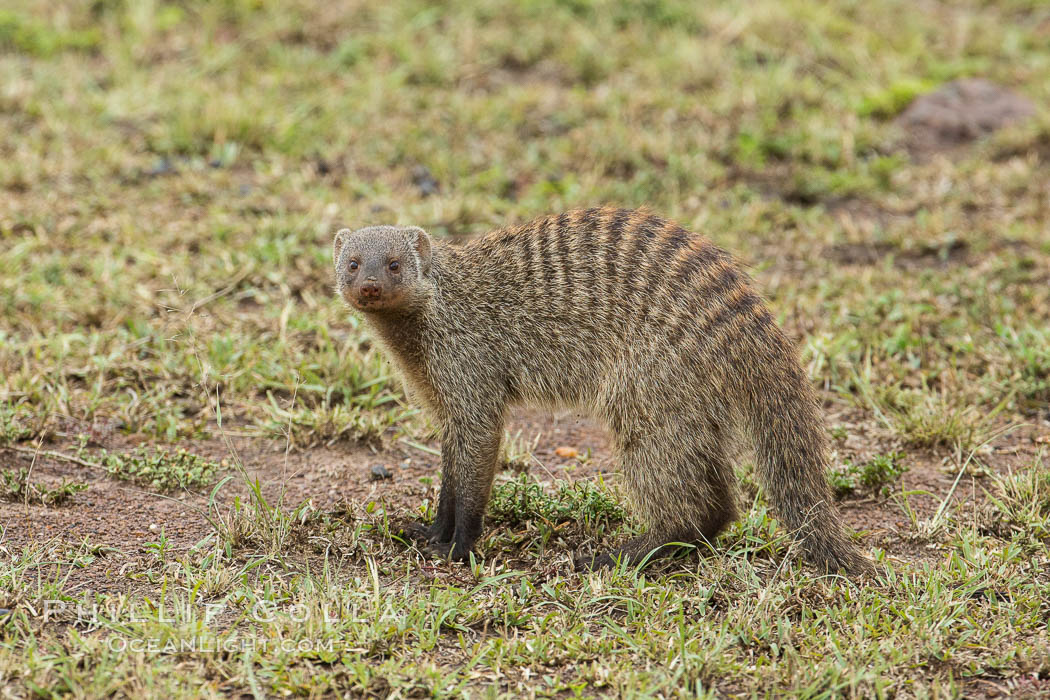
x=648, y=327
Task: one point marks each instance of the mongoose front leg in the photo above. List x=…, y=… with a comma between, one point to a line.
x=444, y=526
x=468, y=466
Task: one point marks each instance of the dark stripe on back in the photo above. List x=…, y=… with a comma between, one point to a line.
x=563, y=242
x=708, y=340
x=640, y=257
x=627, y=262
x=644, y=235
x=586, y=271
x=588, y=224
x=611, y=250
x=606, y=250
x=697, y=262
x=661, y=262
x=665, y=253
x=538, y=257
x=725, y=281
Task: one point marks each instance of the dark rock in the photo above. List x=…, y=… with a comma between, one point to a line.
x=162, y=167
x=424, y=180
x=960, y=112
x=379, y=472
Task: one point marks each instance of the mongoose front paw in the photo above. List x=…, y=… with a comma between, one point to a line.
x=449, y=550
x=419, y=533
x=593, y=562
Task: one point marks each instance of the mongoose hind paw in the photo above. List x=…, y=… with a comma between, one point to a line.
x=845, y=560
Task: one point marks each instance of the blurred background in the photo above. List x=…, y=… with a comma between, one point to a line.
x=171, y=177
x=171, y=174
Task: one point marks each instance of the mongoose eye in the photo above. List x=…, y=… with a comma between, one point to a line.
x=395, y=266
x=353, y=265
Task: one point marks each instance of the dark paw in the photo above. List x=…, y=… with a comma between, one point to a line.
x=594, y=562
x=852, y=564
x=418, y=533
x=414, y=531
x=448, y=550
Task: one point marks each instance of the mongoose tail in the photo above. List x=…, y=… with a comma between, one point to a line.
x=791, y=450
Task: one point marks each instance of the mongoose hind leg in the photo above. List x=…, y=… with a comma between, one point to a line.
x=659, y=544
x=683, y=490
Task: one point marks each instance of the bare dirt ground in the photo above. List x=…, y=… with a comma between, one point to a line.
x=119, y=520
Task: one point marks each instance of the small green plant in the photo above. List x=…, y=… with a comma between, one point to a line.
x=161, y=469
x=875, y=475
x=12, y=429
x=161, y=548
x=15, y=486
x=523, y=499
x=890, y=101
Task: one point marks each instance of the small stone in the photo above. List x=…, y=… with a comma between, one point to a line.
x=379, y=472
x=567, y=452
x=424, y=180
x=153, y=526
x=161, y=167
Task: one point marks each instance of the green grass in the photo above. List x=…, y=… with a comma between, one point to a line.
x=171, y=174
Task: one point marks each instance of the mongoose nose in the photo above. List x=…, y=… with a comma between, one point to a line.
x=370, y=290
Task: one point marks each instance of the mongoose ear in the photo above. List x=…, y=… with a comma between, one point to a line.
x=421, y=242
x=340, y=240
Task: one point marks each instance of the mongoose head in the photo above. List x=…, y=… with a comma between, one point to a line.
x=382, y=268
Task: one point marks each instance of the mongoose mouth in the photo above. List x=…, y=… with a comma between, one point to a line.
x=367, y=295
x=373, y=301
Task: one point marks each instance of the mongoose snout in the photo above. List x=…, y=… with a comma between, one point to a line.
x=648, y=327
x=370, y=290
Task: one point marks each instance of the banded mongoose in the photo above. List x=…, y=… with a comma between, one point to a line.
x=624, y=315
